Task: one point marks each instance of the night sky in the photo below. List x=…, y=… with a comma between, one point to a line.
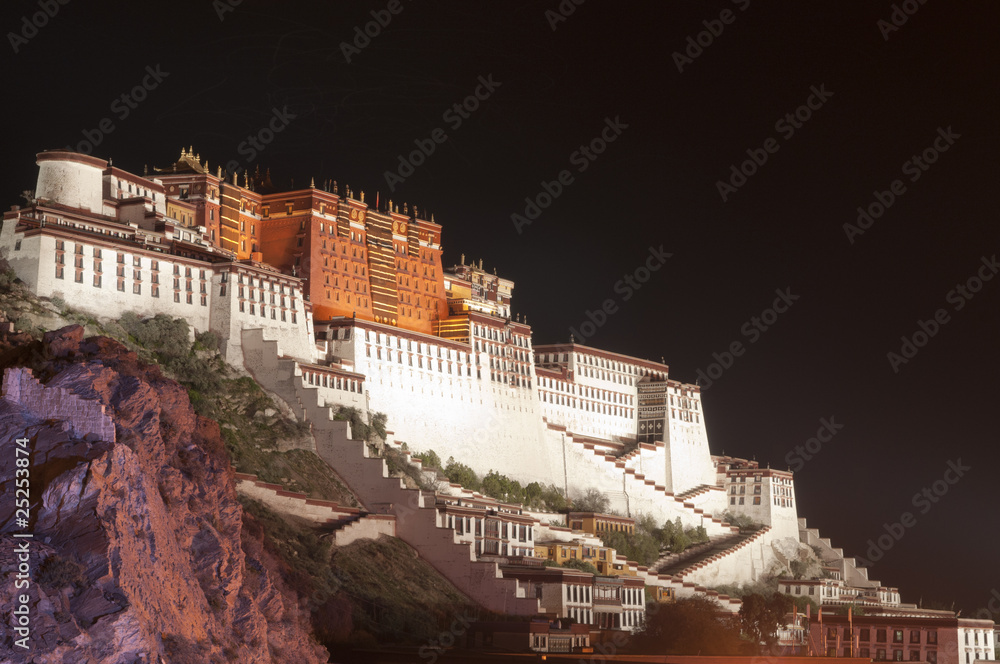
x=683, y=115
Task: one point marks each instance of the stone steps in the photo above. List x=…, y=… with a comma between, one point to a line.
x=716, y=557
x=318, y=512
x=713, y=525
x=415, y=514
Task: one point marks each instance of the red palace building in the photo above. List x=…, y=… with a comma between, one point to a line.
x=358, y=261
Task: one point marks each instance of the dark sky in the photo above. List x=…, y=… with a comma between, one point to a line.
x=886, y=98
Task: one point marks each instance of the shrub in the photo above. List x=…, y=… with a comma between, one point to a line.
x=359, y=428
x=378, y=421
x=7, y=280
x=207, y=340
x=554, y=498
x=741, y=521
x=58, y=572
x=582, y=565
x=799, y=568
x=592, y=501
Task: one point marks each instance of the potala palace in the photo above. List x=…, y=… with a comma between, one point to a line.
x=331, y=301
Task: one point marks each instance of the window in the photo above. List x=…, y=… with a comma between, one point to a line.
x=880, y=655
x=865, y=636
x=880, y=636
x=914, y=636
x=932, y=637
x=97, y=281
x=897, y=636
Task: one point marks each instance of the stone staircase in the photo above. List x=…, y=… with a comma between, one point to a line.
x=850, y=572
x=671, y=562
x=317, y=512
x=682, y=589
x=414, y=511
x=690, y=514
x=698, y=555
x=710, y=558
x=370, y=526
x=696, y=491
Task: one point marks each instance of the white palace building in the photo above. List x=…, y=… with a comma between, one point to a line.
x=356, y=304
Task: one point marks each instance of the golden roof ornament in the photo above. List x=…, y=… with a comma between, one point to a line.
x=312, y=183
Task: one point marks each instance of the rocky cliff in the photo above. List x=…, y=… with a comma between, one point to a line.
x=139, y=553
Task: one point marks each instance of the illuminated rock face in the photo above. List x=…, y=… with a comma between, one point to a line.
x=134, y=489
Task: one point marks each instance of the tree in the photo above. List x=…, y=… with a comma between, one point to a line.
x=576, y=563
x=554, y=498
x=459, y=473
x=690, y=626
x=533, y=494
x=592, y=501
x=378, y=422
x=429, y=459
x=761, y=616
